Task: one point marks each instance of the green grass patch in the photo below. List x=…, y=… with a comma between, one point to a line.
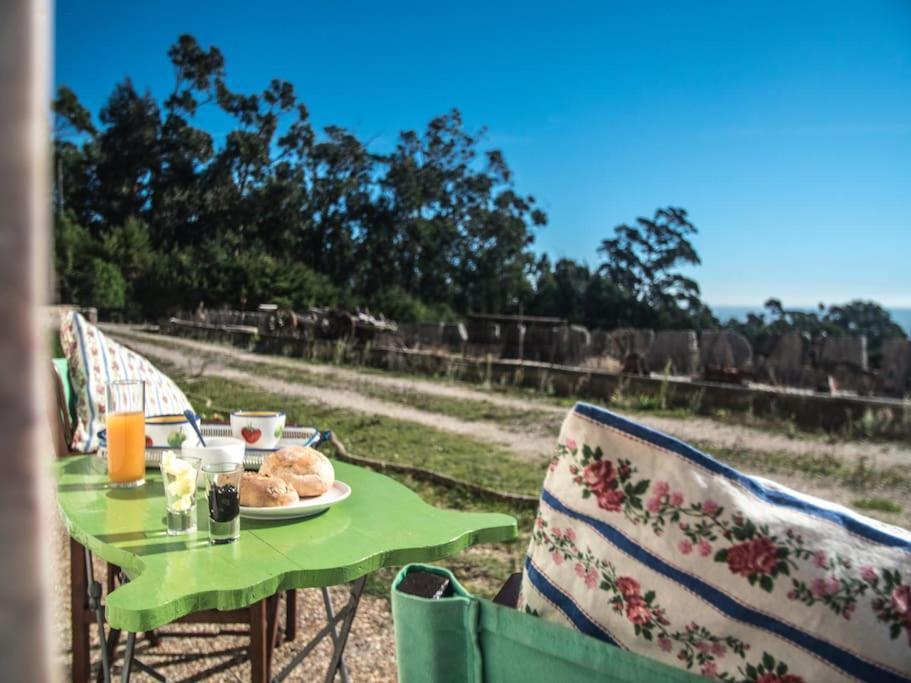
x=482, y=569
x=644, y=405
x=377, y=437
x=877, y=504
x=858, y=476
x=469, y=410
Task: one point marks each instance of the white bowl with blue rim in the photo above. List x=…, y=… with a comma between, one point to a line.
x=170, y=431
x=217, y=451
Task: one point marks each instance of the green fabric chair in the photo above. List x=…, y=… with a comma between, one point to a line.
x=63, y=407
x=464, y=639
x=63, y=371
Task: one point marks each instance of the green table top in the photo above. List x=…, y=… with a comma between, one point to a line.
x=382, y=523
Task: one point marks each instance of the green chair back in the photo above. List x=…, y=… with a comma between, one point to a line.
x=464, y=639
x=63, y=371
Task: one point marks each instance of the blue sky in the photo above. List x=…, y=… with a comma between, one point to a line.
x=784, y=128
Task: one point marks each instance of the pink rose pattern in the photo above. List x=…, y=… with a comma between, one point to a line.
x=749, y=550
x=697, y=647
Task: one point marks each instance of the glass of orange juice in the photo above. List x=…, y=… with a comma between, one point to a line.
x=125, y=423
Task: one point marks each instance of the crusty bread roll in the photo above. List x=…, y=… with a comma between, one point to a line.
x=263, y=491
x=306, y=469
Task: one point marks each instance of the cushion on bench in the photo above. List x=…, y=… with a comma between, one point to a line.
x=94, y=360
x=645, y=542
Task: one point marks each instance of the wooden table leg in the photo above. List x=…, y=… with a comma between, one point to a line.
x=259, y=643
x=271, y=632
x=290, y=615
x=79, y=626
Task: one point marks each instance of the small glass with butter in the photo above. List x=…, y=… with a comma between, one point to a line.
x=179, y=475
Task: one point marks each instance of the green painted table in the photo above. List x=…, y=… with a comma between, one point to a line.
x=381, y=524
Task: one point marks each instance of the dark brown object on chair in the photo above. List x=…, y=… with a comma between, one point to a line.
x=426, y=585
x=433, y=587
x=261, y=616
x=509, y=592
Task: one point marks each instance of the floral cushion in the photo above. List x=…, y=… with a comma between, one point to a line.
x=94, y=360
x=644, y=542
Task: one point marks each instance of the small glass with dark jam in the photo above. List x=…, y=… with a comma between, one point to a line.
x=223, y=498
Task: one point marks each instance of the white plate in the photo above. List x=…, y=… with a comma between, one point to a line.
x=306, y=507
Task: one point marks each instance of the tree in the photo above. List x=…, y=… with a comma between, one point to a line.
x=642, y=262
x=274, y=210
x=857, y=318
x=106, y=288
x=869, y=319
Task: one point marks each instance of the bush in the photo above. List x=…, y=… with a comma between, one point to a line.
x=397, y=304
x=107, y=287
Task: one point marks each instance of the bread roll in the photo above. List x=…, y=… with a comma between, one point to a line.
x=306, y=469
x=263, y=491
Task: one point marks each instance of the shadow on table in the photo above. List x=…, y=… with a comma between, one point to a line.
x=69, y=488
x=166, y=544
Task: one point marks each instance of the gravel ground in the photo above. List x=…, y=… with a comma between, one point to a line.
x=370, y=654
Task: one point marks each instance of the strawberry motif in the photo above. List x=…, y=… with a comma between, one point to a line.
x=251, y=434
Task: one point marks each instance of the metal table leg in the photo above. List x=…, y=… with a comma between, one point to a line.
x=345, y=616
x=108, y=644
x=128, y=658
x=342, y=639
x=95, y=604
x=330, y=615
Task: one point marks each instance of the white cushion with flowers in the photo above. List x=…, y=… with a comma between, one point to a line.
x=647, y=543
x=94, y=360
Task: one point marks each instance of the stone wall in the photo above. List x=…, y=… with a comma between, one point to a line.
x=674, y=350
x=896, y=372
x=725, y=349
x=836, y=364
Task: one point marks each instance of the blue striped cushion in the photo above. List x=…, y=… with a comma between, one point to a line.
x=645, y=542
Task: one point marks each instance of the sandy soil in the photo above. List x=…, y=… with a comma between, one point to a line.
x=524, y=445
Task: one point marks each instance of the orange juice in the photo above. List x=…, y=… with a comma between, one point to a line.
x=126, y=448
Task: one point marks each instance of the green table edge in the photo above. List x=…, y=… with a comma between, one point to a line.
x=498, y=527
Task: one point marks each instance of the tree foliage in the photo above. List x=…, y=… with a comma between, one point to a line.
x=277, y=210
x=853, y=319
x=155, y=214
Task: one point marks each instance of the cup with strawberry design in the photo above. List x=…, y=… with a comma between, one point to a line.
x=258, y=428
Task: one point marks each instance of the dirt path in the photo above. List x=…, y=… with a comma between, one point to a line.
x=691, y=429
x=524, y=445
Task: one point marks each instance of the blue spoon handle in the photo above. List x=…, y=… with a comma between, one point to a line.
x=192, y=418
x=318, y=438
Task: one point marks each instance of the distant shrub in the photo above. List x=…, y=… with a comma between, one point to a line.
x=108, y=288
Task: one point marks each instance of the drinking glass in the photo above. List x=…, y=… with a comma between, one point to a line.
x=125, y=423
x=179, y=476
x=223, y=496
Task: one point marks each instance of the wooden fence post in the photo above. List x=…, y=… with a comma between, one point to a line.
x=26, y=496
